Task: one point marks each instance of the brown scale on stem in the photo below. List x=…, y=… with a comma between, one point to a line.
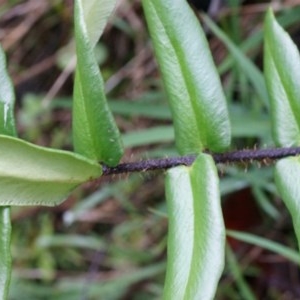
x=263, y=156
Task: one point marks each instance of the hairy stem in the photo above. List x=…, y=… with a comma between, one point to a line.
x=263, y=155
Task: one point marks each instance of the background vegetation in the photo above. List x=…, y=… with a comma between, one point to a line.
x=109, y=238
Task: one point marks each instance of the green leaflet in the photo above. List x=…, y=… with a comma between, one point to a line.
x=33, y=175
x=96, y=14
x=196, y=238
x=191, y=81
x=287, y=178
x=282, y=74
x=7, y=100
x=5, y=256
x=7, y=127
x=95, y=133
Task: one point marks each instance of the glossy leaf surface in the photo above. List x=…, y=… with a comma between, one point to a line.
x=95, y=133
x=5, y=258
x=7, y=127
x=96, y=14
x=287, y=178
x=282, y=73
x=196, y=236
x=7, y=100
x=191, y=81
x=33, y=175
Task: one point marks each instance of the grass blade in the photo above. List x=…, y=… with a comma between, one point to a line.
x=253, y=73
x=265, y=244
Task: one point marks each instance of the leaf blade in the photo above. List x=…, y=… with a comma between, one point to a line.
x=196, y=239
x=7, y=127
x=287, y=179
x=95, y=133
x=96, y=15
x=282, y=75
x=33, y=175
x=7, y=100
x=5, y=261
x=190, y=78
